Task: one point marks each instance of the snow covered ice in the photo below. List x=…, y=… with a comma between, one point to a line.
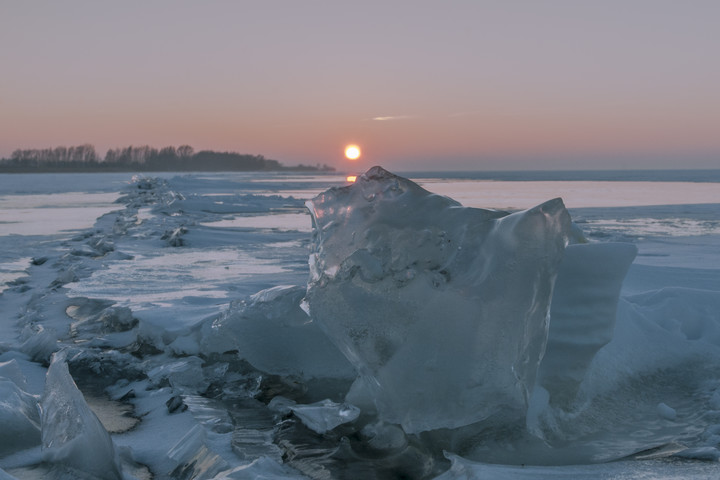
x=186, y=335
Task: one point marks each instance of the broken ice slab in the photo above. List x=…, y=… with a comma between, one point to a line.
x=321, y=417
x=442, y=309
x=274, y=335
x=582, y=317
x=261, y=468
x=11, y=371
x=71, y=433
x=462, y=469
x=185, y=375
x=19, y=416
x=192, y=457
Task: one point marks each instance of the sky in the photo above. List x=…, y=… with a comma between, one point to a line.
x=451, y=85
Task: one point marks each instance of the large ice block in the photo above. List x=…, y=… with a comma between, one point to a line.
x=442, y=309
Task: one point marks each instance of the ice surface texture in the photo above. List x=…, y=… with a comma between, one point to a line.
x=442, y=309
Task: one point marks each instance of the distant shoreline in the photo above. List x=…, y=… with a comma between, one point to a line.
x=84, y=159
x=130, y=169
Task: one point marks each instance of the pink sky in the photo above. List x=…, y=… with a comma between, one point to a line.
x=443, y=85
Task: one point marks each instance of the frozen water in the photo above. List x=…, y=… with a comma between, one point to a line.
x=442, y=309
x=270, y=331
x=71, y=433
x=582, y=317
x=261, y=469
x=192, y=457
x=174, y=304
x=53, y=213
x=324, y=416
x=463, y=469
x=576, y=194
x=19, y=417
x=10, y=370
x=184, y=375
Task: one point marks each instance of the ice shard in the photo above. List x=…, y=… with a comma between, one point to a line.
x=325, y=415
x=582, y=317
x=442, y=309
x=19, y=417
x=270, y=331
x=71, y=433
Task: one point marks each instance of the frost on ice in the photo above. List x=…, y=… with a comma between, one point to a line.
x=442, y=309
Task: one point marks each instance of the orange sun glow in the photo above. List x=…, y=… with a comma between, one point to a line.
x=352, y=152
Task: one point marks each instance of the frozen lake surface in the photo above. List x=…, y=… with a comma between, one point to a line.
x=175, y=300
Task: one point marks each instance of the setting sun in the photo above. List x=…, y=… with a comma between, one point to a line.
x=352, y=152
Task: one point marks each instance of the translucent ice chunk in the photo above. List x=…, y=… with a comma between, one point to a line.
x=185, y=375
x=666, y=412
x=463, y=469
x=323, y=416
x=39, y=342
x=582, y=317
x=11, y=371
x=71, y=433
x=193, y=458
x=442, y=309
x=263, y=468
x=270, y=331
x=19, y=417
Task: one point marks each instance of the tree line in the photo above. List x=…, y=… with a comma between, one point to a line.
x=84, y=158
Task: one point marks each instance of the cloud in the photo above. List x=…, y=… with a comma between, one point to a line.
x=392, y=117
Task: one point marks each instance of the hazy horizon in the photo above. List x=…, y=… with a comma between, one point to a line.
x=462, y=85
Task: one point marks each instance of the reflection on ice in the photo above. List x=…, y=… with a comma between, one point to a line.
x=576, y=194
x=53, y=213
x=671, y=227
x=172, y=276
x=281, y=221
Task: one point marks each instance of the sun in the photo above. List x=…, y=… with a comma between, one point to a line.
x=352, y=152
